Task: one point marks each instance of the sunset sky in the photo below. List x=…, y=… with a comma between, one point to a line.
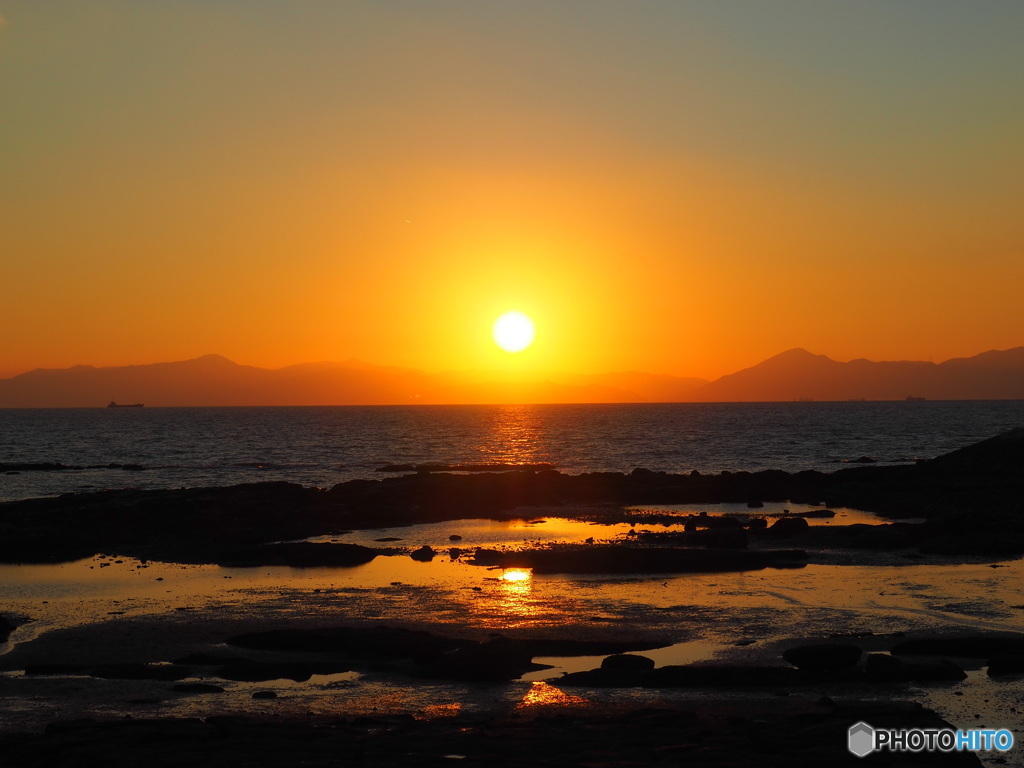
x=668, y=186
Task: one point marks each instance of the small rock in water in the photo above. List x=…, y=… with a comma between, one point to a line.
x=424, y=554
x=788, y=525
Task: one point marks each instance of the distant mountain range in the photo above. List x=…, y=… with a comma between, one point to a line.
x=801, y=375
x=793, y=375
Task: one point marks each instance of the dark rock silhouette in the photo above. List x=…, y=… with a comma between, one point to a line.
x=246, y=670
x=424, y=554
x=301, y=555
x=788, y=525
x=6, y=627
x=361, y=642
x=942, y=670
x=417, y=653
x=881, y=667
x=1006, y=664
x=823, y=656
x=688, y=676
x=498, y=659
x=967, y=646
x=732, y=536
x=972, y=499
x=719, y=735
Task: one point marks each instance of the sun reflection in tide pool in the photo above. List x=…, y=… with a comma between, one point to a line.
x=517, y=576
x=512, y=598
x=542, y=694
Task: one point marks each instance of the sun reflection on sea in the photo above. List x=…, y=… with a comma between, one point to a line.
x=514, y=436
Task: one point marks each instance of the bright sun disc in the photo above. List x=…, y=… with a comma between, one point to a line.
x=513, y=332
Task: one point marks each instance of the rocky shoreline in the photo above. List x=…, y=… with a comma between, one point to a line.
x=717, y=735
x=790, y=709
x=972, y=501
x=794, y=712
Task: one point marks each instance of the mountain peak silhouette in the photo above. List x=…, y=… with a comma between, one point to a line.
x=795, y=374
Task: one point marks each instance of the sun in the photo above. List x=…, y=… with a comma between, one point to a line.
x=513, y=332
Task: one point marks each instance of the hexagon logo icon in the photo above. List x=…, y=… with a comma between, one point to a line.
x=861, y=739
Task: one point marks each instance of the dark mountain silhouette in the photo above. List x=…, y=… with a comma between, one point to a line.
x=793, y=375
x=215, y=380
x=800, y=375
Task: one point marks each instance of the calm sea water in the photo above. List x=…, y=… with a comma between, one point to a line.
x=322, y=446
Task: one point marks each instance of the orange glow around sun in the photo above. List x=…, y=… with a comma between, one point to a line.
x=653, y=246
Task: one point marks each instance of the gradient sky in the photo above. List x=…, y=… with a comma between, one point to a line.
x=669, y=186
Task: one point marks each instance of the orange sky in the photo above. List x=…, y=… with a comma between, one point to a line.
x=675, y=187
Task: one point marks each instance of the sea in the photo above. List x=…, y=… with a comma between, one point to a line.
x=322, y=446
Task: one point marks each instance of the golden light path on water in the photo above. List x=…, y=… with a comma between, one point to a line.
x=516, y=437
x=514, y=600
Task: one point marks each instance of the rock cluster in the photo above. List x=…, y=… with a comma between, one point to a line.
x=973, y=499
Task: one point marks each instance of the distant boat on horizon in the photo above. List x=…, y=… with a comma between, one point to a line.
x=112, y=404
x=912, y=399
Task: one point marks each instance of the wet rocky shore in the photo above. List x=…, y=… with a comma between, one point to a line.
x=796, y=713
x=789, y=709
x=721, y=735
